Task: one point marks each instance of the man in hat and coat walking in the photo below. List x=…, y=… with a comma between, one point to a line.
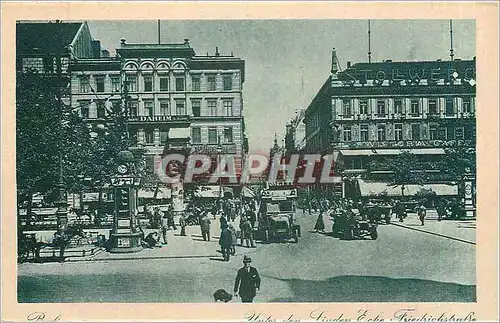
x=205, y=227
x=225, y=242
x=247, y=281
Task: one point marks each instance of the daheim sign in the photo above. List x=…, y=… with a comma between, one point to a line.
x=161, y=118
x=411, y=73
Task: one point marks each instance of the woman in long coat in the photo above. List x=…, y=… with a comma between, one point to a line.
x=320, y=224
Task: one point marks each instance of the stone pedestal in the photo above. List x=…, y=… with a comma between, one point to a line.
x=125, y=242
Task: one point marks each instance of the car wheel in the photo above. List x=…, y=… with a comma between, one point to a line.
x=335, y=233
x=348, y=235
x=388, y=219
x=373, y=233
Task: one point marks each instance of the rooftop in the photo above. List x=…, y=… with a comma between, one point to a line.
x=52, y=37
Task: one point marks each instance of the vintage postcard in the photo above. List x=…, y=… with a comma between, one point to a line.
x=250, y=162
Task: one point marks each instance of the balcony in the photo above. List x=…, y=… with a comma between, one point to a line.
x=212, y=149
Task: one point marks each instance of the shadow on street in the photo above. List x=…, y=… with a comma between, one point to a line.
x=376, y=289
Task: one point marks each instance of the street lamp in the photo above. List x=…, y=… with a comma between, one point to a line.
x=219, y=151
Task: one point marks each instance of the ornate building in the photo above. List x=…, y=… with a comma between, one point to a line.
x=192, y=102
x=375, y=110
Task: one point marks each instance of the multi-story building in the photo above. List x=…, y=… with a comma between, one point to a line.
x=174, y=96
x=295, y=134
x=375, y=110
x=42, y=46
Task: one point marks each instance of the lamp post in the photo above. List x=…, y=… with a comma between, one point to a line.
x=219, y=151
x=62, y=202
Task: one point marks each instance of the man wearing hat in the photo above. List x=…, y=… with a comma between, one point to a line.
x=247, y=281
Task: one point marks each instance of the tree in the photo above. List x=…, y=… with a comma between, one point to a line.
x=405, y=168
x=45, y=129
x=457, y=161
x=36, y=141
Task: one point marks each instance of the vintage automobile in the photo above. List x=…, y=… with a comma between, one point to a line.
x=377, y=211
x=276, y=219
x=351, y=224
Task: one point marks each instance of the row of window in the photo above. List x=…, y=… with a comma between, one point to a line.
x=400, y=106
x=164, y=108
x=196, y=138
x=227, y=136
x=414, y=132
x=150, y=83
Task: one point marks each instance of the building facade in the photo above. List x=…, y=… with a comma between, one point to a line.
x=295, y=134
x=42, y=47
x=173, y=96
x=378, y=110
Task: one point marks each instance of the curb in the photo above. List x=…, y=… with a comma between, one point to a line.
x=433, y=233
x=252, y=250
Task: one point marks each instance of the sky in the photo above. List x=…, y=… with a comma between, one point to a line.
x=287, y=61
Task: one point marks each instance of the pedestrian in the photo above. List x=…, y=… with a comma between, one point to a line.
x=223, y=222
x=440, y=209
x=225, y=242
x=246, y=232
x=234, y=239
x=151, y=239
x=214, y=210
x=170, y=216
x=60, y=240
x=182, y=223
x=205, y=227
x=320, y=224
x=422, y=213
x=164, y=227
x=247, y=281
x=399, y=209
x=251, y=217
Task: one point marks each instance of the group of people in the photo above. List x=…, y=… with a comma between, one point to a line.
x=166, y=222
x=369, y=210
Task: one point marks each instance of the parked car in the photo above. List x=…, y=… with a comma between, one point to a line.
x=351, y=225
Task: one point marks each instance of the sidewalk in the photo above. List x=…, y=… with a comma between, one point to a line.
x=461, y=230
x=189, y=246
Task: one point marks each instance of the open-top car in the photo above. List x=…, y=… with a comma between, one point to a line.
x=351, y=224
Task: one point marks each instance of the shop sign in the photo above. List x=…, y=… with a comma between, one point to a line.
x=161, y=118
x=411, y=76
x=408, y=144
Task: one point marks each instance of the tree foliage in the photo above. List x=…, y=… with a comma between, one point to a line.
x=458, y=161
x=36, y=134
x=44, y=126
x=405, y=168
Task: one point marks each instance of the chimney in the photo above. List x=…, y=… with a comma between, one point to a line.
x=335, y=67
x=348, y=64
x=96, y=48
x=217, y=52
x=122, y=42
x=186, y=41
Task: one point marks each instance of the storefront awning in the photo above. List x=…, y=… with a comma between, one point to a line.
x=179, y=133
x=162, y=193
x=208, y=192
x=369, y=188
x=389, y=152
x=246, y=192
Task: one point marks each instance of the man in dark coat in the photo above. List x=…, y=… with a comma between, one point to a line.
x=247, y=281
x=225, y=242
x=205, y=227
